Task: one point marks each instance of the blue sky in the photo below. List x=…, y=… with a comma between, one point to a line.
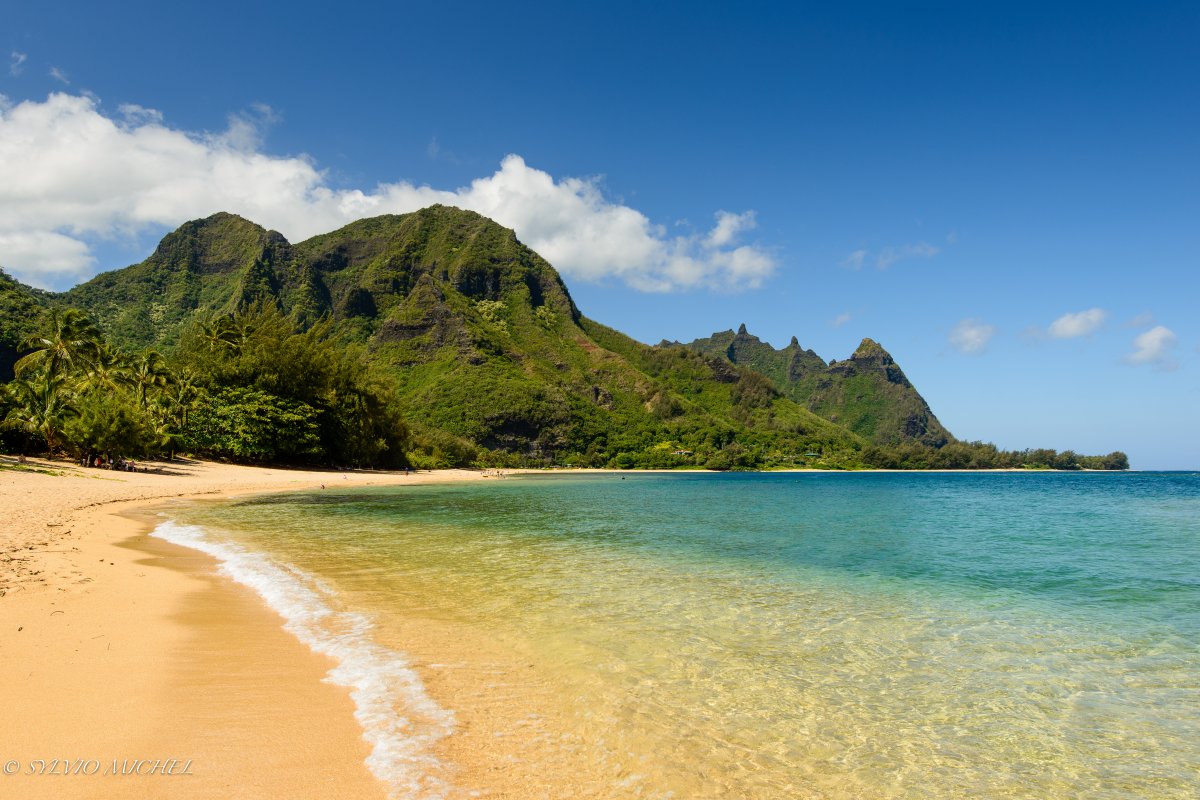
x=950, y=179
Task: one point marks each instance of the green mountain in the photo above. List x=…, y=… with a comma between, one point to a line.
x=867, y=393
x=479, y=337
x=20, y=307
x=440, y=322
x=205, y=265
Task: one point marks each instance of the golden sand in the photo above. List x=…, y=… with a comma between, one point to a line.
x=175, y=676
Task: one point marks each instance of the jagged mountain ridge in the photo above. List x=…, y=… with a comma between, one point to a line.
x=477, y=332
x=867, y=393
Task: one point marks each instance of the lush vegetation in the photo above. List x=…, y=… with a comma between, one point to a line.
x=436, y=339
x=981, y=455
x=867, y=393
x=266, y=390
x=72, y=391
x=248, y=387
x=201, y=267
x=20, y=307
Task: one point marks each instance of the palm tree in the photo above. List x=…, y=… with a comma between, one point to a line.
x=224, y=333
x=181, y=393
x=149, y=372
x=170, y=411
x=110, y=370
x=42, y=405
x=68, y=340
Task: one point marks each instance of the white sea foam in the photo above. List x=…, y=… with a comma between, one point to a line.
x=400, y=720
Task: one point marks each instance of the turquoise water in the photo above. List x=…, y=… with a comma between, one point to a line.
x=763, y=635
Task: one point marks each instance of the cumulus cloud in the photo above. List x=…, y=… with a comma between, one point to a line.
x=729, y=227
x=1080, y=323
x=1153, y=347
x=54, y=253
x=16, y=63
x=74, y=175
x=971, y=336
x=134, y=114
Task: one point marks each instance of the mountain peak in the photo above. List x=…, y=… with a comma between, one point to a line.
x=867, y=392
x=221, y=242
x=742, y=329
x=869, y=348
x=224, y=217
x=225, y=225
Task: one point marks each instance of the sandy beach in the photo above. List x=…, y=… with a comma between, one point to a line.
x=123, y=653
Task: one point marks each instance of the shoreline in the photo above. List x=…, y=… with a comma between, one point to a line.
x=125, y=653
x=120, y=646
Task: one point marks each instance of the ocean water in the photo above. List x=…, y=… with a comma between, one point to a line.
x=859, y=635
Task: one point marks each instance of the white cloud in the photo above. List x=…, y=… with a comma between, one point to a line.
x=1154, y=347
x=139, y=115
x=1141, y=320
x=52, y=254
x=59, y=75
x=75, y=173
x=1080, y=323
x=841, y=319
x=890, y=255
x=729, y=226
x=244, y=132
x=16, y=64
x=971, y=336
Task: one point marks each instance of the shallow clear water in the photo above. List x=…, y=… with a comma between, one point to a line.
x=778, y=635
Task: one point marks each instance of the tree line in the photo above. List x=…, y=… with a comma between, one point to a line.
x=984, y=455
x=257, y=386
x=250, y=386
x=748, y=453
